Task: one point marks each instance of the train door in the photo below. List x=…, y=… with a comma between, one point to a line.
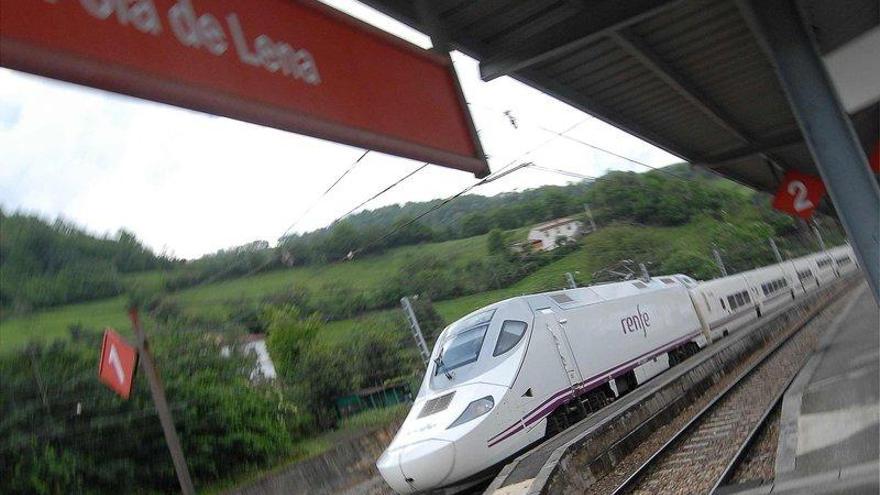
x=555, y=326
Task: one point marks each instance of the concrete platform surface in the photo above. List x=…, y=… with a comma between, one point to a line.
x=830, y=421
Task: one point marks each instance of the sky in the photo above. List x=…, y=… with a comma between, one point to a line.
x=188, y=183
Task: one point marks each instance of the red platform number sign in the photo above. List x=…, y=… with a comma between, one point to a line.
x=799, y=194
x=118, y=362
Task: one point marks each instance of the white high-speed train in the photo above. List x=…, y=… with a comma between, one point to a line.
x=506, y=376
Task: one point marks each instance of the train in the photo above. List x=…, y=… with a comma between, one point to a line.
x=507, y=376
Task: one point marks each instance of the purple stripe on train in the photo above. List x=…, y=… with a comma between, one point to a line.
x=563, y=396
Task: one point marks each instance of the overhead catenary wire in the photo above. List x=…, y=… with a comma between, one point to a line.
x=507, y=114
x=383, y=191
x=502, y=172
x=324, y=194
x=308, y=210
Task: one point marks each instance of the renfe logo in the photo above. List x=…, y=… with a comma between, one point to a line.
x=639, y=321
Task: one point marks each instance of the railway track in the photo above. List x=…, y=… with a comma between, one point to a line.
x=702, y=455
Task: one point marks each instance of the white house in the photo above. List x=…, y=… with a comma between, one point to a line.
x=265, y=367
x=255, y=343
x=544, y=236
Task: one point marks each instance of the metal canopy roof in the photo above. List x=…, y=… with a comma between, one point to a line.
x=689, y=76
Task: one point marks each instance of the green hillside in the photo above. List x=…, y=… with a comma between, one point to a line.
x=213, y=300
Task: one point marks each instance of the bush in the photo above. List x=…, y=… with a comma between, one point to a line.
x=64, y=432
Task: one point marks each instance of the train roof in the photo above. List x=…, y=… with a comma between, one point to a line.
x=583, y=296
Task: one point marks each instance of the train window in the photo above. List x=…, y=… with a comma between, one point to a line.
x=747, y=297
x=463, y=348
x=668, y=281
x=722, y=303
x=511, y=333
x=731, y=300
x=739, y=300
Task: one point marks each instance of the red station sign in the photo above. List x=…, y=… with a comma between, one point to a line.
x=118, y=363
x=799, y=194
x=295, y=65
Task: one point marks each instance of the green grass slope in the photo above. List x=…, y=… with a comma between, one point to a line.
x=597, y=251
x=211, y=300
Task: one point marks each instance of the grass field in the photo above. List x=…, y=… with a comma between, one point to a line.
x=365, y=274
x=582, y=263
x=54, y=323
x=210, y=300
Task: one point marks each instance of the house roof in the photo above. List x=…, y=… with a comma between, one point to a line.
x=554, y=223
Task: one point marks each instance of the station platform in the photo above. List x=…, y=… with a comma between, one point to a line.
x=829, y=438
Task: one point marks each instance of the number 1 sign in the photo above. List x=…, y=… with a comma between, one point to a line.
x=118, y=362
x=799, y=194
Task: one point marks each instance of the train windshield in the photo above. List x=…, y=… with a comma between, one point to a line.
x=464, y=344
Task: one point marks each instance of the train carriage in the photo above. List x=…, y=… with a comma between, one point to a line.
x=505, y=376
x=725, y=304
x=844, y=259
x=498, y=376
x=804, y=274
x=823, y=267
x=770, y=287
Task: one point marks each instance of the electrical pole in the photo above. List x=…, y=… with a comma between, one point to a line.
x=569, y=279
x=719, y=261
x=145, y=358
x=590, y=218
x=775, y=249
x=818, y=236
x=416, y=329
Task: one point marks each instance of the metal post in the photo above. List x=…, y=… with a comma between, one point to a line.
x=145, y=358
x=818, y=236
x=590, y=218
x=825, y=125
x=645, y=275
x=719, y=261
x=416, y=329
x=775, y=250
x=569, y=279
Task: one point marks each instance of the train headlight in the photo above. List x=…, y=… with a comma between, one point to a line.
x=474, y=410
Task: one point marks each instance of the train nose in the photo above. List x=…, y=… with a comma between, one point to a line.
x=417, y=467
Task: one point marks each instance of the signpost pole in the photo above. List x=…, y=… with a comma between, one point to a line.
x=775, y=250
x=158, y=392
x=818, y=236
x=416, y=329
x=590, y=218
x=719, y=261
x=569, y=279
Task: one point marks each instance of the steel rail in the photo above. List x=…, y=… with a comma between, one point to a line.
x=737, y=459
x=629, y=483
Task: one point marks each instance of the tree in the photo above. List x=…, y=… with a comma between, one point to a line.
x=474, y=224
x=495, y=242
x=289, y=335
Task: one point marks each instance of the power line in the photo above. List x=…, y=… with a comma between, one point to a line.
x=508, y=115
x=271, y=259
x=503, y=171
x=327, y=191
x=383, y=191
x=563, y=172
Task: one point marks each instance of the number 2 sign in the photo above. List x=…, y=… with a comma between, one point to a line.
x=799, y=194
